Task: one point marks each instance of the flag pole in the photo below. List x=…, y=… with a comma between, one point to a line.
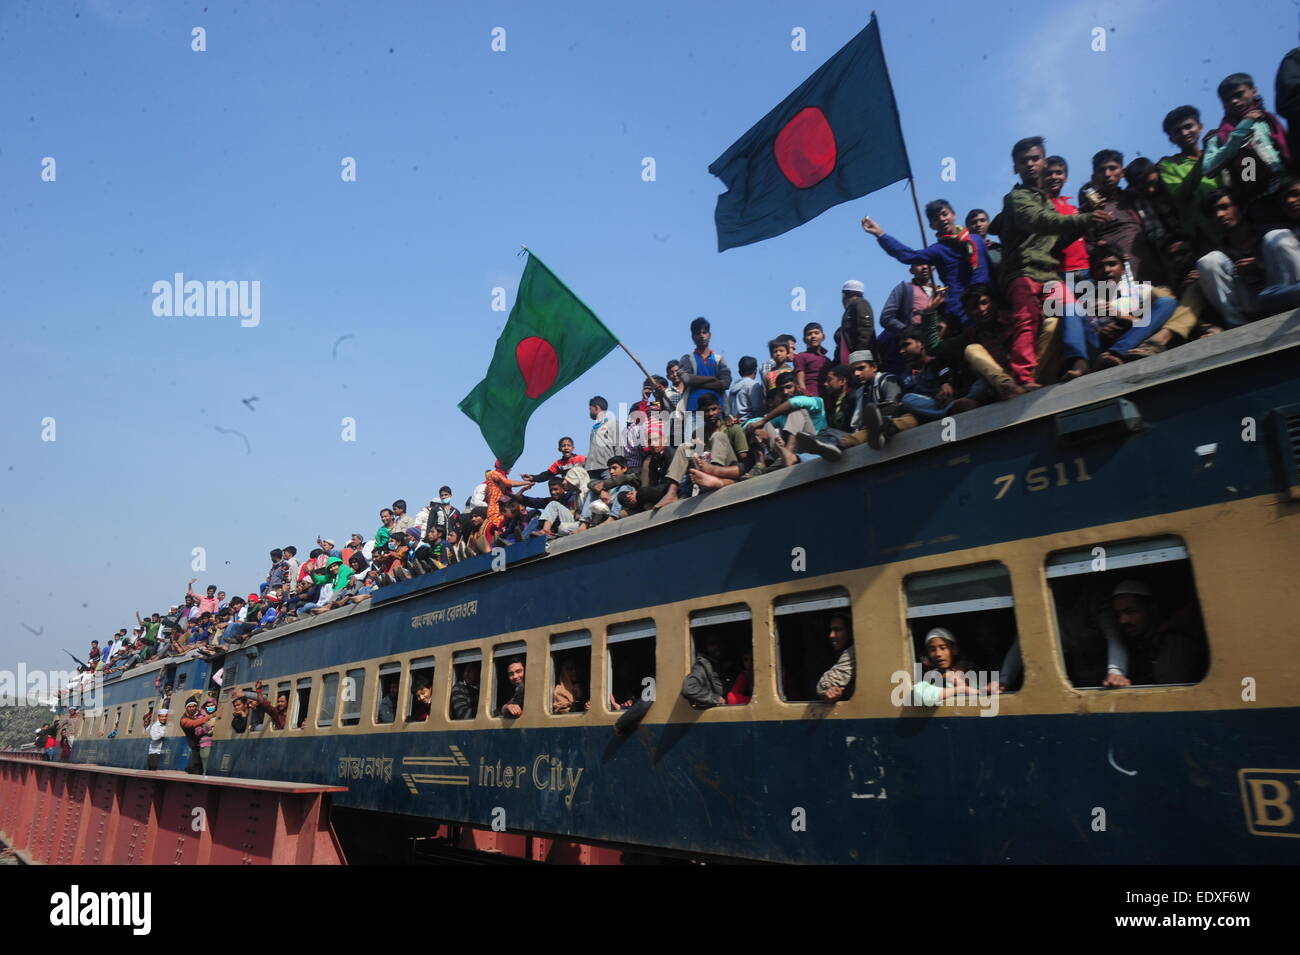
x=920, y=223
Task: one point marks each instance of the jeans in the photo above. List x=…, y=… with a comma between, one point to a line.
x=1282, y=272
x=924, y=406
x=1080, y=330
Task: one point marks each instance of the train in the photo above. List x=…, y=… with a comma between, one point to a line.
x=1010, y=526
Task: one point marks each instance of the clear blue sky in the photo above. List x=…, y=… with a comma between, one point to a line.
x=225, y=165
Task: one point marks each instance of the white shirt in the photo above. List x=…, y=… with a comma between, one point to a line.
x=156, y=733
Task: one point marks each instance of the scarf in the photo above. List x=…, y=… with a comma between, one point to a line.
x=566, y=694
x=962, y=239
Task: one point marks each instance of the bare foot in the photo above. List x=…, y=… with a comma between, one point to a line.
x=1108, y=359
x=1007, y=388
x=1077, y=368
x=1031, y=386
x=668, y=498
x=708, y=480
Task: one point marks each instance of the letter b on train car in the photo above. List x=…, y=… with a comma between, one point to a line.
x=1269, y=797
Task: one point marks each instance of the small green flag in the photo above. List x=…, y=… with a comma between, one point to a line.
x=550, y=339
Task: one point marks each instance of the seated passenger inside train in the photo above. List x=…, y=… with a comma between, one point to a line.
x=464, y=693
x=513, y=690
x=572, y=692
x=1118, y=629
x=837, y=682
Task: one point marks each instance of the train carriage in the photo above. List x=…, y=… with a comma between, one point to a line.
x=999, y=525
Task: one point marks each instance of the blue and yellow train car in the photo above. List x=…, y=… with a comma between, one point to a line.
x=1009, y=526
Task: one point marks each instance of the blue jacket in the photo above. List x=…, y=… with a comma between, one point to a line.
x=952, y=264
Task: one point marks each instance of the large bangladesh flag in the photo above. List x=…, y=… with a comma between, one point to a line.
x=550, y=339
x=835, y=138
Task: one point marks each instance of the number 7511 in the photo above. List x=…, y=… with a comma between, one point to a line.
x=1039, y=479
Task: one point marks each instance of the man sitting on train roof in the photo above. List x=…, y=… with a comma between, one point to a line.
x=514, y=707
x=1159, y=652
x=793, y=415
x=837, y=683
x=879, y=413
x=1249, y=274
x=721, y=464
x=1194, y=317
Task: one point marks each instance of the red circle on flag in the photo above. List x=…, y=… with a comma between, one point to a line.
x=805, y=148
x=539, y=363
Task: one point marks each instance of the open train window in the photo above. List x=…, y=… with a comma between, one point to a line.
x=1127, y=614
x=285, y=690
x=130, y=720
x=301, y=703
x=329, y=694
x=975, y=614
x=354, y=691
x=467, y=666
x=419, y=702
x=571, y=672
x=803, y=637
x=725, y=636
x=390, y=678
x=510, y=662
x=630, y=665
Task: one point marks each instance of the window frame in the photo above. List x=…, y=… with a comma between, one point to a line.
x=571, y=640
x=1135, y=553
x=630, y=631
x=822, y=600
x=511, y=648
x=458, y=659
x=408, y=704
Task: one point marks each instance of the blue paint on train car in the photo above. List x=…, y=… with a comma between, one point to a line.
x=923, y=790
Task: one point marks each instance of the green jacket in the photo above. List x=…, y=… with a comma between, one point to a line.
x=1187, y=191
x=1030, y=228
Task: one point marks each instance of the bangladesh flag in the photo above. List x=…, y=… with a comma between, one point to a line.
x=550, y=339
x=835, y=138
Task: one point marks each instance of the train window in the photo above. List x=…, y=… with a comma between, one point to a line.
x=390, y=677
x=180, y=683
x=302, y=701
x=726, y=637
x=468, y=668
x=130, y=720
x=329, y=694
x=803, y=637
x=510, y=661
x=571, y=672
x=420, y=702
x=630, y=665
x=256, y=715
x=1127, y=614
x=283, y=690
x=354, y=690
x=973, y=609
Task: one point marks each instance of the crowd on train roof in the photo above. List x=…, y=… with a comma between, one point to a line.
x=1196, y=244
